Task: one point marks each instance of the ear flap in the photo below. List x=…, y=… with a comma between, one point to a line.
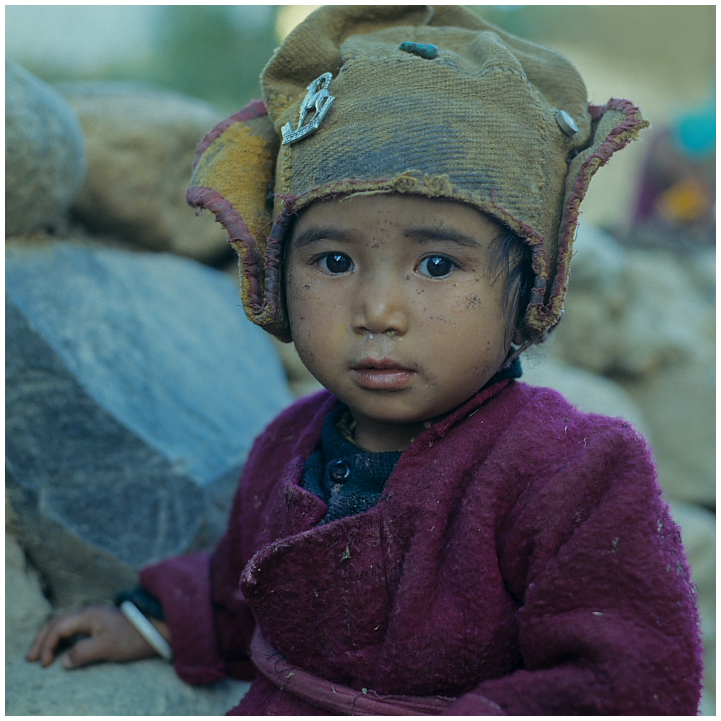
x=233, y=175
x=613, y=126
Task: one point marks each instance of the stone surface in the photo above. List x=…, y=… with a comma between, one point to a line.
x=679, y=405
x=300, y=380
x=632, y=312
x=134, y=389
x=144, y=688
x=701, y=265
x=140, y=148
x=698, y=532
x=26, y=608
x=44, y=153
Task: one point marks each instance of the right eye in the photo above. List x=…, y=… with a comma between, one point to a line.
x=335, y=263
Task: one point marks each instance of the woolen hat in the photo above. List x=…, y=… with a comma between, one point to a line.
x=427, y=100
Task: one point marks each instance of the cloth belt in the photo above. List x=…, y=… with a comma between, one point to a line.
x=332, y=696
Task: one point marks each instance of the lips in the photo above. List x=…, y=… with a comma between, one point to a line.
x=381, y=374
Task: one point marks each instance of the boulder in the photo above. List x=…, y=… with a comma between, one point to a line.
x=300, y=380
x=631, y=312
x=134, y=388
x=679, y=405
x=143, y=688
x=140, y=147
x=698, y=533
x=701, y=265
x=44, y=153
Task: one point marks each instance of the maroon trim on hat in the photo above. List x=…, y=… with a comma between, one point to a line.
x=618, y=138
x=260, y=289
x=254, y=109
x=272, y=261
x=229, y=218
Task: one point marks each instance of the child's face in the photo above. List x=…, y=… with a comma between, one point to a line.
x=394, y=309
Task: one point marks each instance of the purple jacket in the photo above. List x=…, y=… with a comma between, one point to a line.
x=520, y=559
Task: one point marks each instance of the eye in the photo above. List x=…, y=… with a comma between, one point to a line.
x=436, y=266
x=334, y=263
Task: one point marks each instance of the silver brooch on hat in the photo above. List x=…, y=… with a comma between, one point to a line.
x=318, y=100
x=566, y=123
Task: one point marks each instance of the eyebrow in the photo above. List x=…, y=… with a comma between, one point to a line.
x=427, y=235
x=419, y=235
x=313, y=235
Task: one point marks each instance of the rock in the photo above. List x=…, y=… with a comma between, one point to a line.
x=26, y=608
x=44, y=153
x=300, y=380
x=701, y=264
x=134, y=388
x=140, y=146
x=679, y=405
x=144, y=688
x=631, y=312
x=587, y=391
x=698, y=532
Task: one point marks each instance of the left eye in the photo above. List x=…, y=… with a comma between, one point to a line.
x=335, y=263
x=436, y=266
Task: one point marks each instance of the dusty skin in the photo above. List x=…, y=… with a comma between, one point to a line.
x=394, y=309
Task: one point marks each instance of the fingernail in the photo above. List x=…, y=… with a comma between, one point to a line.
x=67, y=663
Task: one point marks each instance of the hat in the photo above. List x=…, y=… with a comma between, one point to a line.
x=427, y=100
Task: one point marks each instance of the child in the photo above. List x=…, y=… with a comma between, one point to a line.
x=429, y=535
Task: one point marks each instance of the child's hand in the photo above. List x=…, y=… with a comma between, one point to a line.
x=111, y=637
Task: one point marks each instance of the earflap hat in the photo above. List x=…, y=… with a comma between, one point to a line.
x=428, y=100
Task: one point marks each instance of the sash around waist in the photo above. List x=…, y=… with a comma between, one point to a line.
x=334, y=697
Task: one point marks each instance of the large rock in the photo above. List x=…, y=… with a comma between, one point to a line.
x=140, y=146
x=44, y=153
x=632, y=312
x=698, y=532
x=679, y=405
x=134, y=388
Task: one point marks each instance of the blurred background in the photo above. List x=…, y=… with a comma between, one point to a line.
x=100, y=135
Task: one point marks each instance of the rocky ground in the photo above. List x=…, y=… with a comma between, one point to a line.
x=109, y=258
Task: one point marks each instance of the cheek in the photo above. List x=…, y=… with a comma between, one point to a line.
x=312, y=327
x=468, y=303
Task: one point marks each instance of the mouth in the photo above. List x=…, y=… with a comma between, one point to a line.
x=382, y=375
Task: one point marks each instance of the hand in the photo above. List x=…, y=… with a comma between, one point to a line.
x=111, y=637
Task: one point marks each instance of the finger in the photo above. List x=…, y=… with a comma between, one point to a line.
x=89, y=650
x=43, y=642
x=60, y=628
x=37, y=644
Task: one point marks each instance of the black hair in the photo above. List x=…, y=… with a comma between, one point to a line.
x=511, y=261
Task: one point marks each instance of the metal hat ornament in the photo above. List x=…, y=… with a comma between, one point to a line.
x=428, y=100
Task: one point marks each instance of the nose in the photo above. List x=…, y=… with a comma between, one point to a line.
x=381, y=307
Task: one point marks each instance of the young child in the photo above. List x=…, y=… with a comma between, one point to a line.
x=429, y=535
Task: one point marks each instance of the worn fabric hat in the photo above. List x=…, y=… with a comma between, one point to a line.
x=428, y=100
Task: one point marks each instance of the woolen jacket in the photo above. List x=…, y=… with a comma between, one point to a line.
x=520, y=560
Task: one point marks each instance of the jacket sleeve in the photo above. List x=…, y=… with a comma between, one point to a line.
x=607, y=620
x=209, y=622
